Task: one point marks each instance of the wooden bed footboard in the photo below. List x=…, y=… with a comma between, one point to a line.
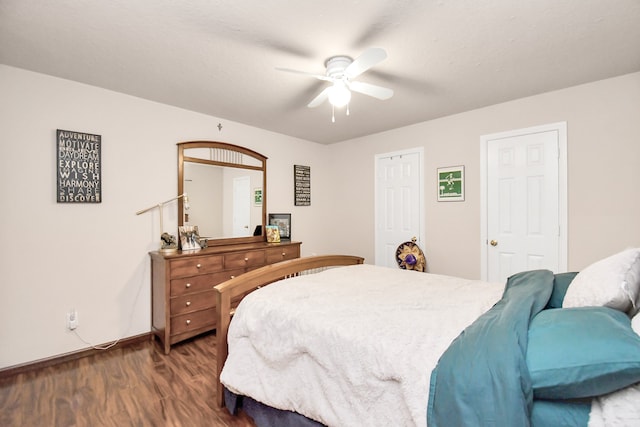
x=238, y=286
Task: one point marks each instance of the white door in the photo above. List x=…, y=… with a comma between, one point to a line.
x=525, y=229
x=241, y=206
x=398, y=195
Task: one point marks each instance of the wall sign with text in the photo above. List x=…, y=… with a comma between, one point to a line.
x=78, y=167
x=302, y=185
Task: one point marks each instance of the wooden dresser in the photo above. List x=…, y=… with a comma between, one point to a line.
x=183, y=302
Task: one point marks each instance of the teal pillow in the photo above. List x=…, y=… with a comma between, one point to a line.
x=561, y=283
x=560, y=413
x=581, y=352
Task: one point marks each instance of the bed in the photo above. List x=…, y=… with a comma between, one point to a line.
x=367, y=345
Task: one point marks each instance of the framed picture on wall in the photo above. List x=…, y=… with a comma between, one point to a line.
x=257, y=196
x=283, y=222
x=78, y=181
x=302, y=185
x=451, y=184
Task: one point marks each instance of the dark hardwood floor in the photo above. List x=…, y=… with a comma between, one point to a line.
x=133, y=386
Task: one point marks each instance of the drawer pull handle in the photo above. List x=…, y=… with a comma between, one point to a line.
x=188, y=303
x=246, y=259
x=188, y=285
x=233, y=277
x=188, y=322
x=284, y=254
x=198, y=265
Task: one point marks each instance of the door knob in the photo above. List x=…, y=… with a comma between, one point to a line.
x=494, y=243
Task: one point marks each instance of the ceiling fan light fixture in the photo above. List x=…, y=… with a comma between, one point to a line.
x=339, y=94
x=341, y=72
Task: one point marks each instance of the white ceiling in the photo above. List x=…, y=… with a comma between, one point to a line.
x=219, y=57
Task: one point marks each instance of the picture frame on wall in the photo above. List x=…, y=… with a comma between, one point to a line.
x=283, y=222
x=257, y=196
x=451, y=184
x=78, y=181
x=302, y=185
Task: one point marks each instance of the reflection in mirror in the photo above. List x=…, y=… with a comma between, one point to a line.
x=221, y=180
x=221, y=200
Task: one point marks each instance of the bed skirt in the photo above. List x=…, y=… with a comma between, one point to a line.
x=545, y=413
x=266, y=416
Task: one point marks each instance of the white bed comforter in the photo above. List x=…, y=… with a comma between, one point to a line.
x=620, y=408
x=350, y=346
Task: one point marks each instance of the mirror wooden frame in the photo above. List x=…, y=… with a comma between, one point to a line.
x=262, y=161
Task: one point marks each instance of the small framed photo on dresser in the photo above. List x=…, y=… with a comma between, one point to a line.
x=189, y=237
x=273, y=234
x=283, y=222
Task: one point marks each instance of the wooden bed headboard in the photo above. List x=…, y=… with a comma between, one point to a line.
x=238, y=286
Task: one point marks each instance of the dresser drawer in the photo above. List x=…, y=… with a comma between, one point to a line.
x=244, y=259
x=204, y=282
x=193, y=266
x=281, y=253
x=193, y=302
x=193, y=321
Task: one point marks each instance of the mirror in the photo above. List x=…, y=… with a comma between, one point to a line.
x=226, y=188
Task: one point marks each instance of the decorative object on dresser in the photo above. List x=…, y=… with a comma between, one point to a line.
x=189, y=238
x=283, y=222
x=168, y=242
x=273, y=234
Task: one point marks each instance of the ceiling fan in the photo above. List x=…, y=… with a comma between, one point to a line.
x=341, y=72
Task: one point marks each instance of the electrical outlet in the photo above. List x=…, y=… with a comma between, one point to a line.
x=72, y=319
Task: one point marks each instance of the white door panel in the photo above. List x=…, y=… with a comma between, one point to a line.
x=523, y=203
x=241, y=206
x=398, y=203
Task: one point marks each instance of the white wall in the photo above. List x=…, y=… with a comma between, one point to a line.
x=93, y=257
x=603, y=121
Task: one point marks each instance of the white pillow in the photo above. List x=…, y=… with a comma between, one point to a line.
x=619, y=408
x=611, y=282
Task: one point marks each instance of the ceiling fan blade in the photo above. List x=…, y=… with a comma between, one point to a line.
x=322, y=96
x=317, y=76
x=362, y=63
x=371, y=90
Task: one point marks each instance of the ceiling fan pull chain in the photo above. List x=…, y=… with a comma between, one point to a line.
x=333, y=114
x=347, y=109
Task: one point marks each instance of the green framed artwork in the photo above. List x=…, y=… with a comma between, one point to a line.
x=451, y=184
x=257, y=196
